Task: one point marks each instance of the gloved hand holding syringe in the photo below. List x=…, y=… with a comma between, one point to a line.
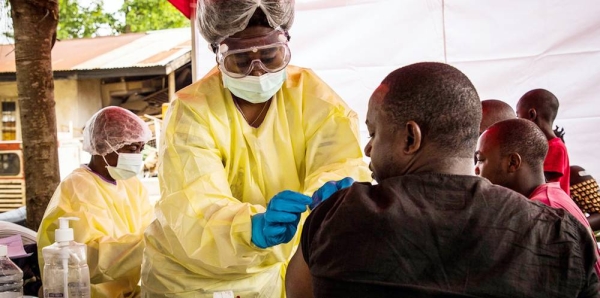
x=279, y=223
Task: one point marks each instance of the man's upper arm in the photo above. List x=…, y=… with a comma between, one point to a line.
x=298, y=281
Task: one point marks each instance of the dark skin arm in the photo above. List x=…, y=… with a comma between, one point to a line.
x=298, y=282
x=594, y=221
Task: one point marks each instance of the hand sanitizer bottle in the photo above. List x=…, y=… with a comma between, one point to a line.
x=66, y=273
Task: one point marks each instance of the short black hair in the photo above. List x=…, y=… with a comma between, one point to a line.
x=494, y=110
x=543, y=101
x=441, y=100
x=523, y=137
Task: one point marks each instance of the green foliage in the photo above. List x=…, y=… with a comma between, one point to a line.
x=145, y=15
x=6, y=29
x=77, y=21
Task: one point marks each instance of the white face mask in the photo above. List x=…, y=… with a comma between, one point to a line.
x=255, y=89
x=128, y=165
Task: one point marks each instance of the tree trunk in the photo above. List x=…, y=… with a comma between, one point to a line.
x=34, y=23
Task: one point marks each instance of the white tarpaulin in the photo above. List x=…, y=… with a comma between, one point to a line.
x=506, y=47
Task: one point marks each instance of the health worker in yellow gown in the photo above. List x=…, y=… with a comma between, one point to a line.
x=244, y=150
x=110, y=201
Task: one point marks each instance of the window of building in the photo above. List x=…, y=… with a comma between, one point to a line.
x=9, y=120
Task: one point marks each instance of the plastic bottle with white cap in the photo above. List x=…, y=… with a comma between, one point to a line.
x=11, y=276
x=66, y=273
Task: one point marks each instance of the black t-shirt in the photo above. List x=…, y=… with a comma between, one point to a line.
x=433, y=235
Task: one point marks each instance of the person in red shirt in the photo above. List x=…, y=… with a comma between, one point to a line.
x=541, y=107
x=511, y=153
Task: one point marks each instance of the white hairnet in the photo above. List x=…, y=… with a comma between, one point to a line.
x=218, y=19
x=112, y=128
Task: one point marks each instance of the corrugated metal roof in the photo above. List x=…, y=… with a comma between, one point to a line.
x=133, y=50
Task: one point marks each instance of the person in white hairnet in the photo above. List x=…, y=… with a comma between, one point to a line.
x=110, y=201
x=244, y=150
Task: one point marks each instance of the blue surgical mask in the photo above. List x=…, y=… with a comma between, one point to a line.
x=255, y=89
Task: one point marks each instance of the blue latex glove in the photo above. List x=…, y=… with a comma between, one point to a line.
x=328, y=189
x=280, y=222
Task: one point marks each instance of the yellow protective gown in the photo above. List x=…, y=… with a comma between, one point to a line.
x=217, y=171
x=112, y=220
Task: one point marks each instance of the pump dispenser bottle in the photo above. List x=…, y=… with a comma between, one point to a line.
x=11, y=276
x=66, y=273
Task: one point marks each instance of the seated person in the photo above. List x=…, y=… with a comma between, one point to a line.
x=492, y=111
x=430, y=228
x=110, y=201
x=584, y=191
x=511, y=153
x=541, y=107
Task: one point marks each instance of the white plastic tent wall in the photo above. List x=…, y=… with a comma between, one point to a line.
x=506, y=47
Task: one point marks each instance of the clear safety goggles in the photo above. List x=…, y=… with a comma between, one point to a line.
x=238, y=57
